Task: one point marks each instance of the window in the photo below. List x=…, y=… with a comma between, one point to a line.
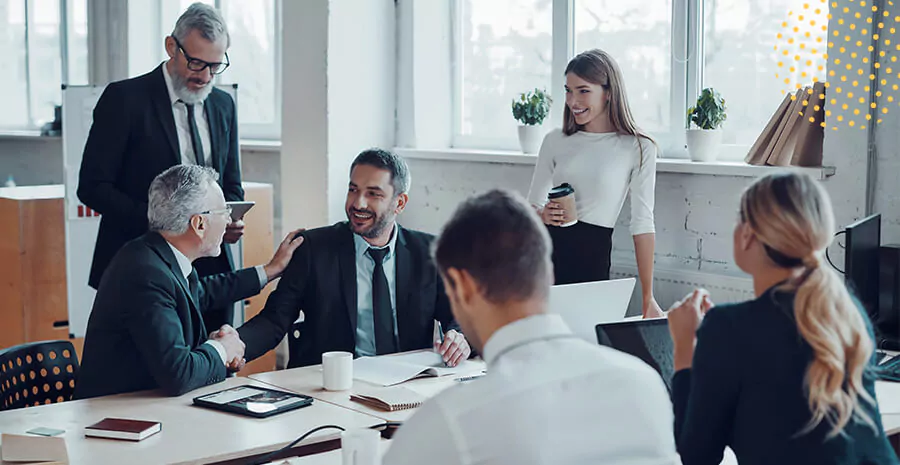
x=741, y=63
x=255, y=29
x=41, y=38
x=668, y=51
x=504, y=49
x=638, y=34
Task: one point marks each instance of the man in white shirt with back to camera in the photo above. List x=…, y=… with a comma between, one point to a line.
x=548, y=397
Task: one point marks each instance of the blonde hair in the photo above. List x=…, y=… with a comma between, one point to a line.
x=791, y=215
x=598, y=67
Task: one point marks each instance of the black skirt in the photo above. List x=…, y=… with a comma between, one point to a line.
x=581, y=253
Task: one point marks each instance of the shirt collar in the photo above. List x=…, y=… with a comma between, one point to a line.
x=183, y=262
x=524, y=330
x=362, y=246
x=173, y=97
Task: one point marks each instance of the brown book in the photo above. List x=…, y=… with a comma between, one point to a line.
x=119, y=428
x=810, y=136
x=783, y=149
x=758, y=153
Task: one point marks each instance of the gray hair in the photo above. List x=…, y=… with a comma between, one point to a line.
x=204, y=19
x=176, y=195
x=386, y=160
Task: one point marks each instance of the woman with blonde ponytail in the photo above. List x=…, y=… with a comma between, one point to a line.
x=785, y=378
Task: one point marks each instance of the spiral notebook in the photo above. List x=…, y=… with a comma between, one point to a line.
x=390, y=398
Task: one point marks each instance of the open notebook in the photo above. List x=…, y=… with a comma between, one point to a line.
x=388, y=398
x=395, y=369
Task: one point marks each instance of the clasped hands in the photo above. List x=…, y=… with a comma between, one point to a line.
x=234, y=347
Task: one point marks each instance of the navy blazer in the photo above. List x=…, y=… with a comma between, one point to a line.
x=146, y=331
x=321, y=281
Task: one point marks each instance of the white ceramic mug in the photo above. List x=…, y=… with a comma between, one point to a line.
x=337, y=371
x=360, y=447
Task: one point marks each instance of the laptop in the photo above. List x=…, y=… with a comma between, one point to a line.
x=583, y=305
x=648, y=340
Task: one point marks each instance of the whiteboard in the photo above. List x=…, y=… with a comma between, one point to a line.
x=82, y=223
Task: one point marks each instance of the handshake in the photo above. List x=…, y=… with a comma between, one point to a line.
x=234, y=347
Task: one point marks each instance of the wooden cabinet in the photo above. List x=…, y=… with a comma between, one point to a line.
x=33, y=301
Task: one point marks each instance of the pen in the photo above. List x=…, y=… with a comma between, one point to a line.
x=439, y=337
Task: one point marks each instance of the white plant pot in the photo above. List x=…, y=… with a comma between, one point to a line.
x=703, y=144
x=530, y=138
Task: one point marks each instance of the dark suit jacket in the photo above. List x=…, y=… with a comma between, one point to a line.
x=146, y=331
x=746, y=390
x=321, y=280
x=133, y=139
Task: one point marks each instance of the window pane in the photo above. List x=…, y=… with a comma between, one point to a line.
x=170, y=10
x=13, y=89
x=505, y=49
x=741, y=63
x=253, y=54
x=44, y=59
x=77, y=42
x=638, y=34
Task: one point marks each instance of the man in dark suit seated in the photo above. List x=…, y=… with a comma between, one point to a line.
x=146, y=327
x=169, y=116
x=366, y=286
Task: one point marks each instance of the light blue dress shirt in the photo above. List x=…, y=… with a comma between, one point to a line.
x=365, y=311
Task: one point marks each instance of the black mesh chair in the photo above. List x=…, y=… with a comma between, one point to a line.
x=37, y=373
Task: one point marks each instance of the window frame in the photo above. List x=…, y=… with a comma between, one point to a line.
x=64, y=24
x=248, y=131
x=686, y=78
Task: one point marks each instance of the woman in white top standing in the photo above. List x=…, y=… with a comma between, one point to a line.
x=604, y=156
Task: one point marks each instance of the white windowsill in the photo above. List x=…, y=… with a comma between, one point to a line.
x=663, y=165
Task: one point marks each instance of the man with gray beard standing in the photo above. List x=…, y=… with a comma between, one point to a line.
x=169, y=116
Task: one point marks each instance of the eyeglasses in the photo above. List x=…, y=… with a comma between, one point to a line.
x=223, y=211
x=197, y=65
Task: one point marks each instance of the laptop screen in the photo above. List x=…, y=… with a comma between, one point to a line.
x=648, y=340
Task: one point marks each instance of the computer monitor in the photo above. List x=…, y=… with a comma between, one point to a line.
x=861, y=261
x=648, y=340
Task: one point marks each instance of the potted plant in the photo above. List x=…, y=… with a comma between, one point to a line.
x=530, y=109
x=707, y=115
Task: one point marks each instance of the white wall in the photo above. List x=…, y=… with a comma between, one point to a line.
x=361, y=88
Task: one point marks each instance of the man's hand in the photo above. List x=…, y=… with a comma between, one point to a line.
x=283, y=255
x=233, y=232
x=455, y=348
x=234, y=346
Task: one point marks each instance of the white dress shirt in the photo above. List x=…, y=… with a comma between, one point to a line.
x=548, y=398
x=365, y=309
x=184, y=264
x=603, y=168
x=183, y=129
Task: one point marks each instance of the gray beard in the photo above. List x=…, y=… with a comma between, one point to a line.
x=179, y=85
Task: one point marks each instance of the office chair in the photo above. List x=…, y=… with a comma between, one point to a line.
x=37, y=373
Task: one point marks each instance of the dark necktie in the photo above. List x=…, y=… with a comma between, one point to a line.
x=381, y=304
x=194, y=286
x=196, y=143
x=196, y=317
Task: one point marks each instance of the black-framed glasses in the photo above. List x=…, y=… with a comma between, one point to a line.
x=197, y=65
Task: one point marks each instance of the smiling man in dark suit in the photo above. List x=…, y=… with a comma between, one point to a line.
x=366, y=285
x=169, y=116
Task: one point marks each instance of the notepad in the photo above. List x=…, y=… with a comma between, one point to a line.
x=120, y=428
x=395, y=369
x=389, y=398
x=33, y=450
